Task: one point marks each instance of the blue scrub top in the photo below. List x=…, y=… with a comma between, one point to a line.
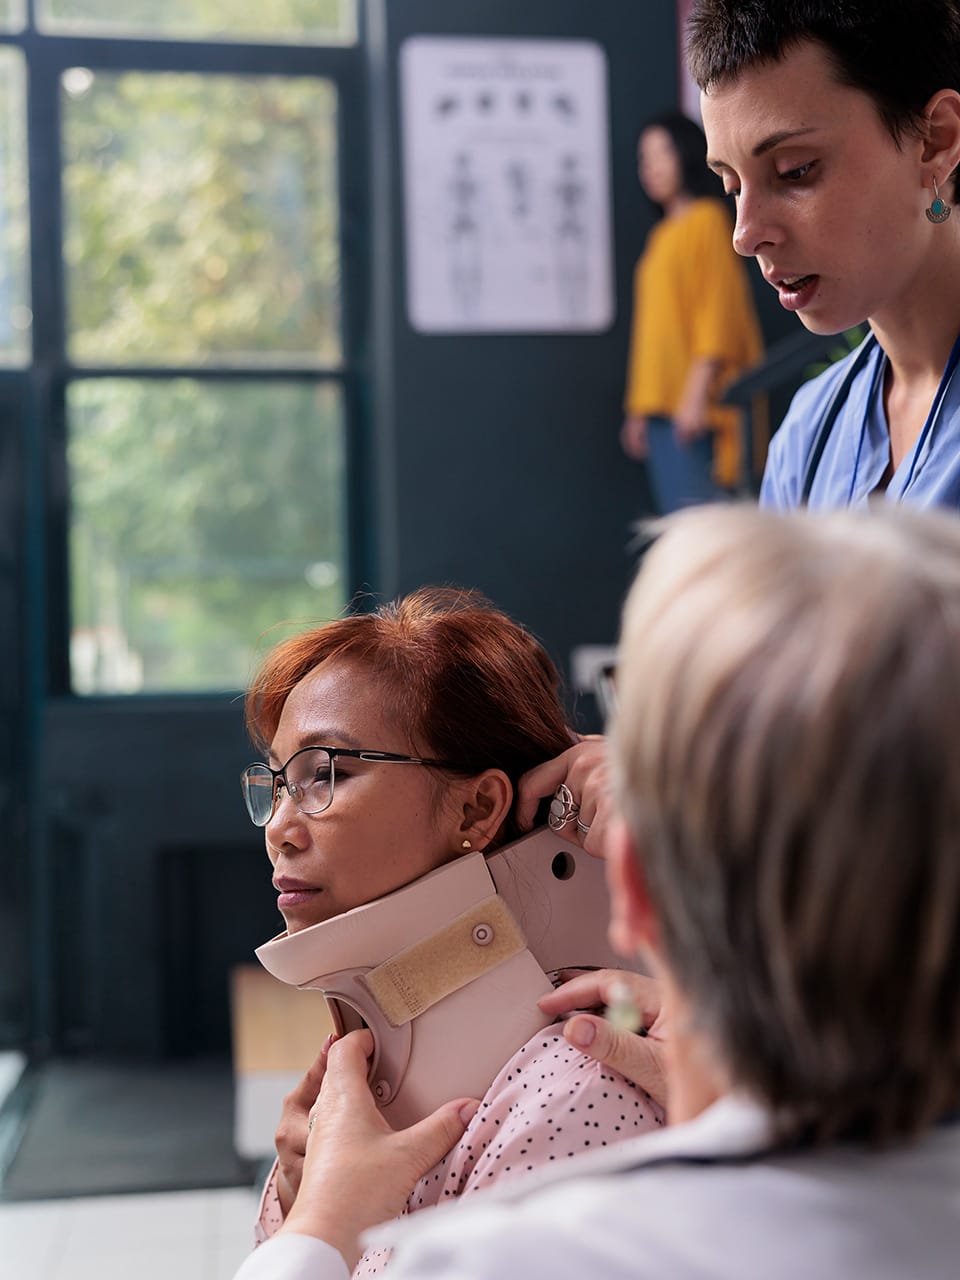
x=858, y=449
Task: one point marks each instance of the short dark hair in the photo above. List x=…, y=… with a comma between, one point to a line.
x=690, y=144
x=900, y=52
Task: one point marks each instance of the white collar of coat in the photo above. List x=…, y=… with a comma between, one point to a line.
x=733, y=1126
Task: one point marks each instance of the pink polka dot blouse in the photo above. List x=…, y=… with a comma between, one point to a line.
x=548, y=1103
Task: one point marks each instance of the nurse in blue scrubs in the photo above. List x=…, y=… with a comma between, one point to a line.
x=837, y=128
x=840, y=144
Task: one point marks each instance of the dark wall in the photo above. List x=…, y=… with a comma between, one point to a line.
x=156, y=881
x=499, y=464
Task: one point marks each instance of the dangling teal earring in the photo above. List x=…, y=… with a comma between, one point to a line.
x=939, y=210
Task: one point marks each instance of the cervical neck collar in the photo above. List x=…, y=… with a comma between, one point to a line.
x=446, y=971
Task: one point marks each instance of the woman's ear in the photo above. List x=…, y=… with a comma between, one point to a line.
x=485, y=803
x=633, y=924
x=941, y=142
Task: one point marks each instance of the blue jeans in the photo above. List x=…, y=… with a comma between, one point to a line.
x=680, y=475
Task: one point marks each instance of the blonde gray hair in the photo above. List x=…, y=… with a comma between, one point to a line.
x=787, y=755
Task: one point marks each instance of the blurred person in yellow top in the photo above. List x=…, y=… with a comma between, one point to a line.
x=694, y=325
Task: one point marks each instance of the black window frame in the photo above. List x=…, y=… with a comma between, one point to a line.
x=49, y=372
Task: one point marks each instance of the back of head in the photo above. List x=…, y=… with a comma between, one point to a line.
x=788, y=757
x=461, y=679
x=900, y=52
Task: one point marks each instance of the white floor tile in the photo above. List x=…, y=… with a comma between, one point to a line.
x=196, y=1235
x=234, y=1212
x=138, y=1221
x=186, y=1261
x=32, y=1236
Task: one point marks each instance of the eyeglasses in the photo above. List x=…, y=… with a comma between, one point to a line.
x=308, y=777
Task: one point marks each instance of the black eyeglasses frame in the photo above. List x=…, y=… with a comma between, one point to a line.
x=334, y=753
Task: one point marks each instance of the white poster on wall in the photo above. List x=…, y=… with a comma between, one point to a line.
x=507, y=185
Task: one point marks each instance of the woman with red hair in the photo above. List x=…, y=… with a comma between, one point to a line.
x=395, y=740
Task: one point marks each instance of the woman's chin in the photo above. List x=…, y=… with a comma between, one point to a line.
x=298, y=919
x=823, y=320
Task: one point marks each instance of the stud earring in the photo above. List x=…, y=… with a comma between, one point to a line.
x=939, y=210
x=466, y=845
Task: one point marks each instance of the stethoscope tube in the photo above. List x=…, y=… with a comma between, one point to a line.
x=838, y=400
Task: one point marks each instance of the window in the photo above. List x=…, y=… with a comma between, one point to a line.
x=15, y=313
x=315, y=21
x=195, y=376
x=12, y=15
x=202, y=219
x=202, y=515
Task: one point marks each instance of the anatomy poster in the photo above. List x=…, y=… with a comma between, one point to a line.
x=507, y=185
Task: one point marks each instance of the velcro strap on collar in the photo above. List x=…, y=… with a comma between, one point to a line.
x=416, y=978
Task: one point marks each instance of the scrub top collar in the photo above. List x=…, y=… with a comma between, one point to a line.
x=870, y=449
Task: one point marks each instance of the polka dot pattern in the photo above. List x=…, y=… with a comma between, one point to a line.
x=548, y=1103
x=270, y=1218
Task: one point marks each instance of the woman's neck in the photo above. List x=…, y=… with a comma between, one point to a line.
x=917, y=332
x=695, y=1074
x=677, y=204
x=919, y=327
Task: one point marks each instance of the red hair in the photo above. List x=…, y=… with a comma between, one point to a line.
x=468, y=683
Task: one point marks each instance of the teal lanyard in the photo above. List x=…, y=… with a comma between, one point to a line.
x=837, y=402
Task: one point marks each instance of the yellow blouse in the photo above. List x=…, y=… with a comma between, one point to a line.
x=692, y=301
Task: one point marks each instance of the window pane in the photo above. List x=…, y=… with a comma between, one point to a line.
x=317, y=21
x=202, y=515
x=15, y=317
x=12, y=13
x=201, y=219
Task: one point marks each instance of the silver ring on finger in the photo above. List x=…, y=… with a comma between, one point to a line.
x=563, y=808
x=583, y=827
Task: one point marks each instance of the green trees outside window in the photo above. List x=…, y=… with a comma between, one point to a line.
x=201, y=230
x=191, y=367
x=203, y=514
x=201, y=219
x=12, y=15
x=317, y=21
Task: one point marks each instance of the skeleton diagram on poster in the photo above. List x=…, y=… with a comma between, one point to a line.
x=507, y=185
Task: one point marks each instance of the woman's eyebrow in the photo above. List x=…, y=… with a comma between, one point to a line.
x=767, y=144
x=784, y=135
x=322, y=737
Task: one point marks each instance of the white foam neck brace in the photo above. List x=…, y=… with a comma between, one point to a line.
x=446, y=971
